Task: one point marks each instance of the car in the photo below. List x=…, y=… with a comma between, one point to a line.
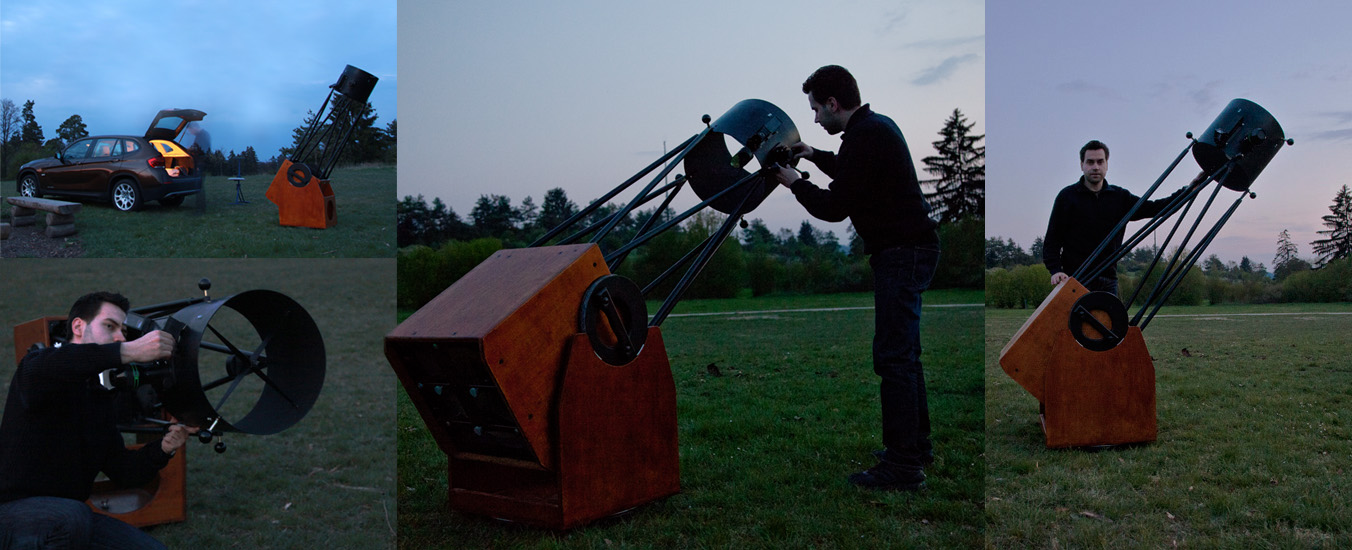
x=125, y=170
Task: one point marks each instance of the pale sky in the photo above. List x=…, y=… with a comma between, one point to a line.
x=1139, y=76
x=582, y=95
x=255, y=67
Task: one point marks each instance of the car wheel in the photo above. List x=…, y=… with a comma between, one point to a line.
x=126, y=196
x=28, y=186
x=172, y=201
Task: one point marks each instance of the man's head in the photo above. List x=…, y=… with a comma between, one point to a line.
x=833, y=96
x=1094, y=162
x=97, y=318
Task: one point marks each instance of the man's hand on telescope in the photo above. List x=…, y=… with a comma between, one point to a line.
x=786, y=175
x=156, y=344
x=1059, y=277
x=176, y=437
x=801, y=150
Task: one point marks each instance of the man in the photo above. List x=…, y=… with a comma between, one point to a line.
x=875, y=186
x=59, y=431
x=1084, y=213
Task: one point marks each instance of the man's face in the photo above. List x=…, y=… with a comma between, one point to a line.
x=106, y=327
x=827, y=114
x=1094, y=166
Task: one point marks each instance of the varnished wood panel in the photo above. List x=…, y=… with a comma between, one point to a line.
x=310, y=206
x=1100, y=398
x=1025, y=357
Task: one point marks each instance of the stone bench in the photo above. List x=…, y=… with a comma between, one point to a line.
x=60, y=214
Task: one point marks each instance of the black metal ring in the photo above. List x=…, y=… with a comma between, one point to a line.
x=298, y=174
x=620, y=303
x=1082, y=314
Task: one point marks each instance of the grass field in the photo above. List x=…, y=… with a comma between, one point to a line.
x=1253, y=448
x=766, y=446
x=327, y=482
x=364, y=228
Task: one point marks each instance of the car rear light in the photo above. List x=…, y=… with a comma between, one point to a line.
x=155, y=162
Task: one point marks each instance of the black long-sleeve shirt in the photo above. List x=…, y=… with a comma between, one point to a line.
x=1081, y=219
x=60, y=429
x=874, y=185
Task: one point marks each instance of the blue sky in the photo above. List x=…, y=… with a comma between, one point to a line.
x=1139, y=76
x=582, y=95
x=254, y=67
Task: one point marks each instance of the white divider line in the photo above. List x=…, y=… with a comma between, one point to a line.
x=1274, y=314
x=805, y=310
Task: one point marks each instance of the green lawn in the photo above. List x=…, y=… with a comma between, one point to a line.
x=765, y=448
x=1253, y=444
x=364, y=223
x=328, y=481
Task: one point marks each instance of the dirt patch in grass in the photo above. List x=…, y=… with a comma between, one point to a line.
x=30, y=241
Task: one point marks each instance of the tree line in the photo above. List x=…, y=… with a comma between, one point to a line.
x=437, y=245
x=1017, y=279
x=22, y=140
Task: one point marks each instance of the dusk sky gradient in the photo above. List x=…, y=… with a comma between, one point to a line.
x=254, y=67
x=1139, y=76
x=582, y=95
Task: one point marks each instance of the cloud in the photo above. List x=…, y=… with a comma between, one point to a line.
x=1339, y=134
x=1204, y=99
x=1339, y=117
x=1082, y=87
x=945, y=43
x=945, y=68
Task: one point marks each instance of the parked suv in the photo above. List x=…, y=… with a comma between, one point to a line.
x=126, y=170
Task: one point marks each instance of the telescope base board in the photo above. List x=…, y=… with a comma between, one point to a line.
x=1089, y=398
x=1099, y=398
x=310, y=205
x=616, y=441
x=161, y=501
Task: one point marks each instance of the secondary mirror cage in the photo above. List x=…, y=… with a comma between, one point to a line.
x=331, y=128
x=252, y=362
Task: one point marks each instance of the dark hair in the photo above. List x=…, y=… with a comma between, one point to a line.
x=833, y=81
x=1094, y=145
x=88, y=306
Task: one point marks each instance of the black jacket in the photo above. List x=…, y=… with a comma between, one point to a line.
x=60, y=429
x=874, y=185
x=1081, y=219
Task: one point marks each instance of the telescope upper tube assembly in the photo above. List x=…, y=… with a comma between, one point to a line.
x=283, y=348
x=1232, y=151
x=1244, y=133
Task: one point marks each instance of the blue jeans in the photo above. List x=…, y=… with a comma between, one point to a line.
x=900, y=275
x=1103, y=284
x=55, y=523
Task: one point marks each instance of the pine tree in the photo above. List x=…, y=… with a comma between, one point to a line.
x=1286, y=250
x=1338, y=244
x=959, y=172
x=30, y=132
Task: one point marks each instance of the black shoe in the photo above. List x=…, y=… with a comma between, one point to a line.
x=887, y=476
x=926, y=460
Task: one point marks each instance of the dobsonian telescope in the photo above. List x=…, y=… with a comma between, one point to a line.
x=251, y=362
x=1079, y=354
x=301, y=187
x=540, y=373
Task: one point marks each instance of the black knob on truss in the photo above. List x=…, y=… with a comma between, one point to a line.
x=220, y=447
x=204, y=436
x=706, y=119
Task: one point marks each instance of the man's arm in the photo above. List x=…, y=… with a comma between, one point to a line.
x=1053, y=242
x=1152, y=208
